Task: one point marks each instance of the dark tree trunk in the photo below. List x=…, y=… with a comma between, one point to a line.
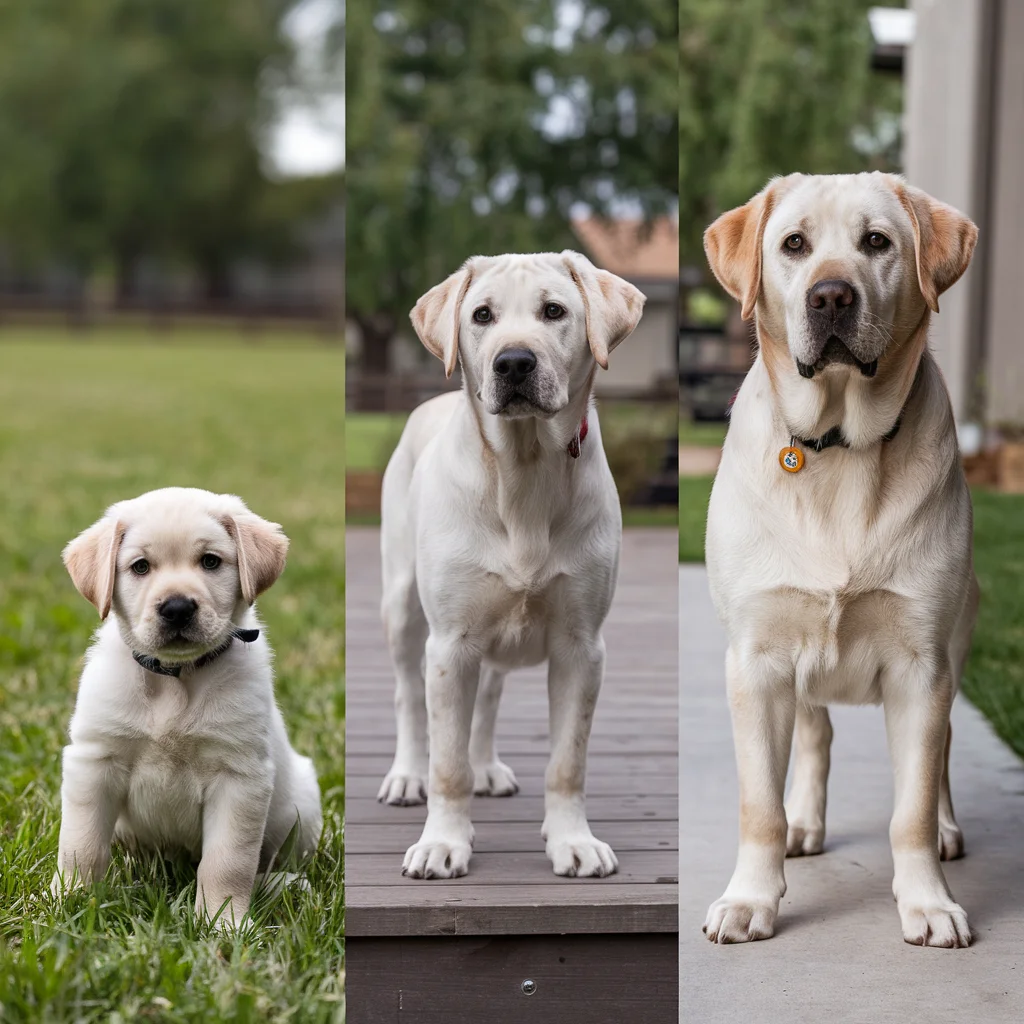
x=377, y=330
x=124, y=277
x=216, y=280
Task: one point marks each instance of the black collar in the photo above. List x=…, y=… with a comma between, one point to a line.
x=832, y=438
x=151, y=664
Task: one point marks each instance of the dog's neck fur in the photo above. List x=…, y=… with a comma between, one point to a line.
x=532, y=452
x=517, y=443
x=865, y=408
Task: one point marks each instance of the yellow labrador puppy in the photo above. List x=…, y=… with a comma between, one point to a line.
x=839, y=529
x=500, y=541
x=176, y=741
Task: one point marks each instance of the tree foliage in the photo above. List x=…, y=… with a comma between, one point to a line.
x=773, y=86
x=476, y=128
x=133, y=129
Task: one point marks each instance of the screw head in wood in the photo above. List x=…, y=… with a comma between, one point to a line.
x=529, y=987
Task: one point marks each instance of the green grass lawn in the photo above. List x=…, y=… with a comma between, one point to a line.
x=701, y=435
x=86, y=420
x=994, y=680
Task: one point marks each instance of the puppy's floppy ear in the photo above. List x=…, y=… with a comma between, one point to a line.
x=436, y=316
x=91, y=561
x=261, y=548
x=733, y=247
x=612, y=306
x=944, y=241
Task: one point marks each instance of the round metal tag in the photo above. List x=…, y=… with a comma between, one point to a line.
x=791, y=460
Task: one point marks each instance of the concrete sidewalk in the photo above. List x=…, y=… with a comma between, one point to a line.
x=838, y=955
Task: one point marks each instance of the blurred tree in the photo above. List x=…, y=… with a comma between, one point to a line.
x=133, y=128
x=476, y=128
x=773, y=86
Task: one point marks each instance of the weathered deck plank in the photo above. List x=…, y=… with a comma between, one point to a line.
x=632, y=779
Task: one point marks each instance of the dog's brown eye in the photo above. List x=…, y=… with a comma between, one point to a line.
x=876, y=240
x=553, y=311
x=209, y=561
x=140, y=567
x=794, y=242
x=482, y=315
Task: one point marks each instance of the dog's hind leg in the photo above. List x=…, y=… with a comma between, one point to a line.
x=491, y=777
x=805, y=807
x=406, y=628
x=951, y=839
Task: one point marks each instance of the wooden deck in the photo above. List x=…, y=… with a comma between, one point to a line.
x=462, y=949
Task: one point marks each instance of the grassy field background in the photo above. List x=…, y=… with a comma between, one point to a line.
x=86, y=420
x=994, y=680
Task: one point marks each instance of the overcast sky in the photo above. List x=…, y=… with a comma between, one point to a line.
x=309, y=138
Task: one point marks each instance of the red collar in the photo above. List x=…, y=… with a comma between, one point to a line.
x=574, y=445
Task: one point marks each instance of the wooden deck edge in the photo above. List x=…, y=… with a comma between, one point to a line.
x=367, y=918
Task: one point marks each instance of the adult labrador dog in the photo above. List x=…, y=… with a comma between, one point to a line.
x=177, y=744
x=839, y=528
x=500, y=541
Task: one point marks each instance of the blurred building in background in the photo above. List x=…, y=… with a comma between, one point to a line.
x=963, y=66
x=648, y=257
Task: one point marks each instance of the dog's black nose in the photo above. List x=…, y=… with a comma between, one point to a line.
x=177, y=611
x=515, y=364
x=831, y=296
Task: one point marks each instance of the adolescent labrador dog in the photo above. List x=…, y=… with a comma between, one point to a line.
x=500, y=541
x=177, y=744
x=839, y=529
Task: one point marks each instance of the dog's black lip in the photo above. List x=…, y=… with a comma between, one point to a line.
x=807, y=370
x=517, y=399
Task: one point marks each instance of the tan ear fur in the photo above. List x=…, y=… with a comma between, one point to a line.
x=733, y=246
x=436, y=316
x=91, y=561
x=944, y=241
x=262, y=549
x=612, y=305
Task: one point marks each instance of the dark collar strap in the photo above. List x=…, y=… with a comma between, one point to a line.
x=576, y=444
x=154, y=665
x=834, y=437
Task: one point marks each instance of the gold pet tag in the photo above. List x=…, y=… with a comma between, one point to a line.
x=791, y=459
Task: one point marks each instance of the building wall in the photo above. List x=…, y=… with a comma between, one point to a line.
x=946, y=78
x=647, y=356
x=1004, y=336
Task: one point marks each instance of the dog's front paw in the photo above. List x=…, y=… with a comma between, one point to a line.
x=581, y=856
x=951, y=842
x=737, y=920
x=944, y=924
x=494, y=779
x=63, y=883
x=437, y=858
x=803, y=841
x=402, y=788
x=61, y=886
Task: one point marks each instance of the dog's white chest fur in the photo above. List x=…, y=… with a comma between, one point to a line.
x=517, y=593
x=171, y=767
x=829, y=570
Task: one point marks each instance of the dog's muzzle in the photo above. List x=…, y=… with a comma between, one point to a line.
x=833, y=315
x=515, y=384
